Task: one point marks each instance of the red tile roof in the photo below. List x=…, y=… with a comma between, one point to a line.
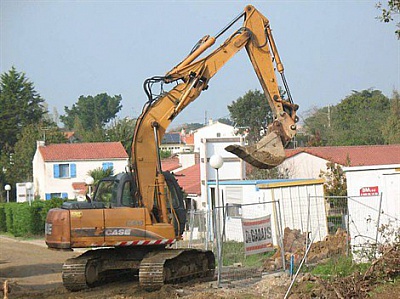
x=170, y=164
x=190, y=139
x=363, y=155
x=189, y=179
x=83, y=151
x=80, y=187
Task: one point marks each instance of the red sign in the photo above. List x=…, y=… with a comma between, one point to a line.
x=369, y=191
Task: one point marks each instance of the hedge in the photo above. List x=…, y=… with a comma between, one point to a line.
x=24, y=220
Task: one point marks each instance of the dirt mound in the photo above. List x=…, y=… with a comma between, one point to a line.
x=295, y=244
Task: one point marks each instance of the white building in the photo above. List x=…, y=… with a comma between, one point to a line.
x=212, y=140
x=289, y=202
x=374, y=200
x=308, y=162
x=212, y=130
x=59, y=170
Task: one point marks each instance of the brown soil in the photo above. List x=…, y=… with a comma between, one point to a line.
x=33, y=271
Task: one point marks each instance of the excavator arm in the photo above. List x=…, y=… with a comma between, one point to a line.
x=192, y=76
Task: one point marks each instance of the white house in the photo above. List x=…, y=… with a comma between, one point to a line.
x=308, y=162
x=212, y=130
x=59, y=170
x=374, y=201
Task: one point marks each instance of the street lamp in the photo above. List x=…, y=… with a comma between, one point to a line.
x=89, y=181
x=7, y=188
x=29, y=187
x=216, y=162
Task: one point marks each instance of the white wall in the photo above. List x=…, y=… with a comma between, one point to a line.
x=292, y=209
x=232, y=169
x=214, y=130
x=303, y=166
x=363, y=209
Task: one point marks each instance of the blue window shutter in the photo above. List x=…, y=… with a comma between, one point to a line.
x=56, y=170
x=48, y=196
x=64, y=195
x=107, y=165
x=73, y=170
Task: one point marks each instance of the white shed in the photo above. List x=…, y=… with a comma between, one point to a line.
x=372, y=189
x=289, y=202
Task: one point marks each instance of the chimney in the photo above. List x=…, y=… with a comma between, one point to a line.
x=39, y=143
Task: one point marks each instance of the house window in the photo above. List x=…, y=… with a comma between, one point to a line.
x=234, y=210
x=218, y=134
x=64, y=170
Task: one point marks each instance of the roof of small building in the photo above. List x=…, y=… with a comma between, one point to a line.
x=170, y=164
x=83, y=151
x=189, y=179
x=80, y=187
x=353, y=155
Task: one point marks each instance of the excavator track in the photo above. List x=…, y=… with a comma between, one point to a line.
x=74, y=274
x=156, y=267
x=175, y=266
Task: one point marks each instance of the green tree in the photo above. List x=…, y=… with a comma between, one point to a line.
x=122, y=130
x=19, y=168
x=99, y=173
x=391, y=128
x=226, y=121
x=97, y=134
x=251, y=111
x=92, y=112
x=317, y=126
x=20, y=106
x=359, y=118
x=388, y=12
x=335, y=180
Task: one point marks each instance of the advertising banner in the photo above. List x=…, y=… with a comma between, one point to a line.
x=257, y=235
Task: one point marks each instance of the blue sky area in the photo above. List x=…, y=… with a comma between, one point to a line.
x=73, y=48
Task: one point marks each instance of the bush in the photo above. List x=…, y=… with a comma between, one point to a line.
x=3, y=225
x=24, y=220
x=9, y=211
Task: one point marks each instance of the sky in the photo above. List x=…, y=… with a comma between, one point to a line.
x=71, y=48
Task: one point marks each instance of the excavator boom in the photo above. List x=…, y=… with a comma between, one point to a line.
x=134, y=216
x=192, y=76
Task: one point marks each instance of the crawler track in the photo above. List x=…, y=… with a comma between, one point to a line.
x=156, y=267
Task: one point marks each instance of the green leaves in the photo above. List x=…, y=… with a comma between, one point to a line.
x=362, y=118
x=251, y=111
x=20, y=106
x=92, y=112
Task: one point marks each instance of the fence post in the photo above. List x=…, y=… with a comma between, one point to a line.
x=281, y=235
x=378, y=223
x=191, y=226
x=308, y=222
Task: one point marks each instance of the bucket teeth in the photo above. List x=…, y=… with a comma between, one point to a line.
x=266, y=154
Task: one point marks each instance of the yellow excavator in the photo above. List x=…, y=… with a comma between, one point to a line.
x=134, y=217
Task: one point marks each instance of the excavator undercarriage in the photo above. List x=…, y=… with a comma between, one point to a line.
x=156, y=266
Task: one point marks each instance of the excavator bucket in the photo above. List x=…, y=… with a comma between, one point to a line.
x=265, y=154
